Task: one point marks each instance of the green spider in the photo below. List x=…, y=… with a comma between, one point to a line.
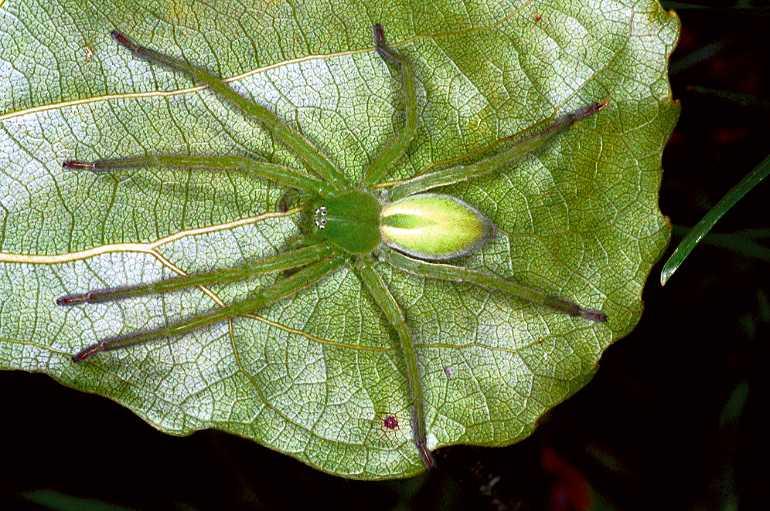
x=345, y=223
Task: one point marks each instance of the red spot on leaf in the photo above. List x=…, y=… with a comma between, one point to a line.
x=390, y=422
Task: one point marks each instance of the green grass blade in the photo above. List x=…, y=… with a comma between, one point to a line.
x=750, y=9
x=739, y=242
x=58, y=501
x=694, y=237
x=695, y=57
x=755, y=234
x=741, y=99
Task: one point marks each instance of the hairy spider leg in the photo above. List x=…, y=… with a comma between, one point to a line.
x=279, y=262
x=453, y=273
x=517, y=152
x=396, y=146
x=264, y=297
x=392, y=311
x=279, y=174
x=302, y=147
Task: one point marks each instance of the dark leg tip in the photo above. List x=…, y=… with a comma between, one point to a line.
x=594, y=107
x=427, y=457
x=574, y=309
x=121, y=39
x=77, y=165
x=378, y=34
x=589, y=110
x=594, y=315
x=87, y=352
x=66, y=300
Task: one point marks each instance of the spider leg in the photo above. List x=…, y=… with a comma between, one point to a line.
x=278, y=262
x=397, y=146
x=291, y=199
x=302, y=147
x=489, y=281
x=273, y=172
x=515, y=153
x=390, y=308
x=264, y=297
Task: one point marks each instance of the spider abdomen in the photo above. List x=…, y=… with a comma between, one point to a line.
x=434, y=226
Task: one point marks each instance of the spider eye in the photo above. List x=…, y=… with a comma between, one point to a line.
x=320, y=217
x=434, y=226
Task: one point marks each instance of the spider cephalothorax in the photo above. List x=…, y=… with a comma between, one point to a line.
x=349, y=224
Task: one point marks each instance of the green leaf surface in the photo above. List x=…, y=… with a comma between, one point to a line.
x=314, y=375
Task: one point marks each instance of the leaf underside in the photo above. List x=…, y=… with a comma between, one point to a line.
x=315, y=375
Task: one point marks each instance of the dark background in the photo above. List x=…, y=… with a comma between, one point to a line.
x=673, y=419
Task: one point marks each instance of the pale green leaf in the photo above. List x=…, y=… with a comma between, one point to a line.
x=314, y=376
